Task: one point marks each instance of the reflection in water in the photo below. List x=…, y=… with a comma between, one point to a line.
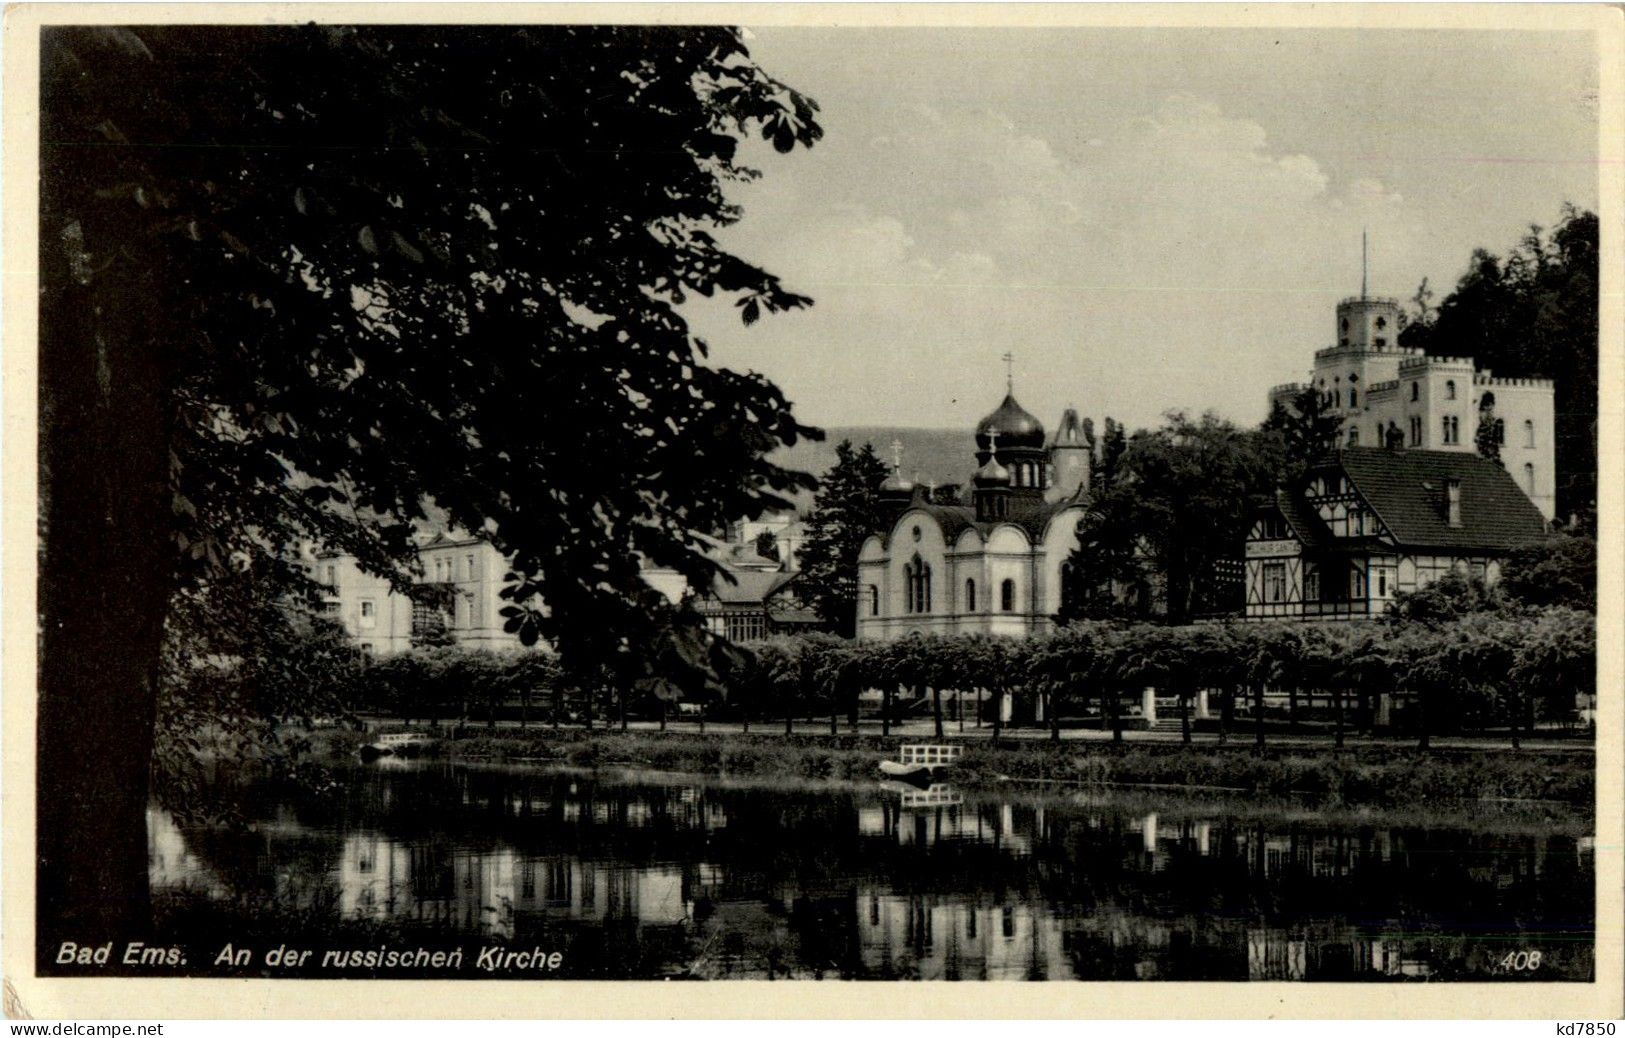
x=651, y=876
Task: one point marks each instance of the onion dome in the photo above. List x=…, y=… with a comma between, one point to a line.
x=1012, y=425
x=896, y=483
x=992, y=474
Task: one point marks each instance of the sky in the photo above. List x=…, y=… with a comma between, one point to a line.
x=1146, y=219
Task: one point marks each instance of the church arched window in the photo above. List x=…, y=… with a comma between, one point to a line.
x=918, y=593
x=1007, y=596
x=970, y=596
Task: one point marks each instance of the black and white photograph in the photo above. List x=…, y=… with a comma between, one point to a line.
x=773, y=498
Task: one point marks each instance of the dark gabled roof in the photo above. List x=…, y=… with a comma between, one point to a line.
x=1406, y=490
x=1305, y=525
x=749, y=586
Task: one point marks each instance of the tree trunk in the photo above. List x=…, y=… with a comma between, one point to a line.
x=104, y=586
x=1184, y=715
x=1115, y=707
x=620, y=701
x=524, y=707
x=702, y=717
x=1054, y=716
x=1421, y=702
x=1292, y=708
x=998, y=713
x=936, y=709
x=1516, y=720
x=1337, y=713
x=789, y=717
x=1227, y=708
x=1258, y=715
x=885, y=710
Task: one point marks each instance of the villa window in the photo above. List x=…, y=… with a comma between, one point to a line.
x=1007, y=596
x=369, y=613
x=970, y=596
x=470, y=567
x=1528, y=434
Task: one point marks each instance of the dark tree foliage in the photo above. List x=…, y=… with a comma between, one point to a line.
x=1307, y=430
x=1488, y=435
x=1113, y=442
x=403, y=263
x=1534, y=314
x=1561, y=571
x=846, y=510
x=1446, y=599
x=1180, y=502
x=767, y=545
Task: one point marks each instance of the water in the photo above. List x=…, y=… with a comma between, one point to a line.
x=637, y=875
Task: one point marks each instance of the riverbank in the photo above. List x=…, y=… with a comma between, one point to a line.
x=1385, y=776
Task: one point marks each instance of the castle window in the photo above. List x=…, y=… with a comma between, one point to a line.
x=1354, y=436
x=1353, y=397
x=1382, y=322
x=1529, y=479
x=1337, y=398
x=874, y=600
x=1381, y=342
x=1450, y=389
x=1451, y=426
x=1500, y=433
x=1416, y=430
x=918, y=593
x=1416, y=391
x=970, y=596
x=1528, y=434
x=1007, y=596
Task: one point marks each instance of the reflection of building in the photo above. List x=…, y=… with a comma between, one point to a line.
x=1368, y=522
x=992, y=563
x=915, y=936
x=1431, y=403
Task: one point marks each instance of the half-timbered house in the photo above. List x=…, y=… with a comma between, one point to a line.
x=1368, y=522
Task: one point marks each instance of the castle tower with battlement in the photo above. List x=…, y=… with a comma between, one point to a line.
x=1435, y=403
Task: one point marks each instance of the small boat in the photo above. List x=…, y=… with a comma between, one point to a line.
x=397, y=744
x=919, y=761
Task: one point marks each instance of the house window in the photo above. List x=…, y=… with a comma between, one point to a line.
x=1450, y=389
x=1529, y=479
x=918, y=594
x=1528, y=434
x=1274, y=581
x=1007, y=596
x=1416, y=391
x=746, y=627
x=1311, y=582
x=369, y=613
x=1416, y=430
x=874, y=600
x=366, y=650
x=1356, y=582
x=332, y=576
x=970, y=596
x=470, y=567
x=1382, y=583
x=331, y=607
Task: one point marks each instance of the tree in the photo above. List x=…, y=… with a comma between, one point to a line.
x=767, y=545
x=398, y=271
x=1534, y=314
x=1113, y=443
x=1560, y=571
x=1307, y=430
x=1491, y=430
x=846, y=510
x=1184, y=498
x=1452, y=595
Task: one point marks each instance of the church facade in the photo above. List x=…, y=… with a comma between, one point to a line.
x=990, y=562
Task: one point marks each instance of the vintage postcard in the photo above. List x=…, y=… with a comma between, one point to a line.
x=510, y=506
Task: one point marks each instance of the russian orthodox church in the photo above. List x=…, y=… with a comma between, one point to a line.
x=986, y=562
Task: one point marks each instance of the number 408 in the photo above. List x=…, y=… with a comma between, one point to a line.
x=1523, y=960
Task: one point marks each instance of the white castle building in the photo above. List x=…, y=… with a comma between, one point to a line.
x=1383, y=391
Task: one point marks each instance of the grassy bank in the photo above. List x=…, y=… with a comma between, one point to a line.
x=1374, y=775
